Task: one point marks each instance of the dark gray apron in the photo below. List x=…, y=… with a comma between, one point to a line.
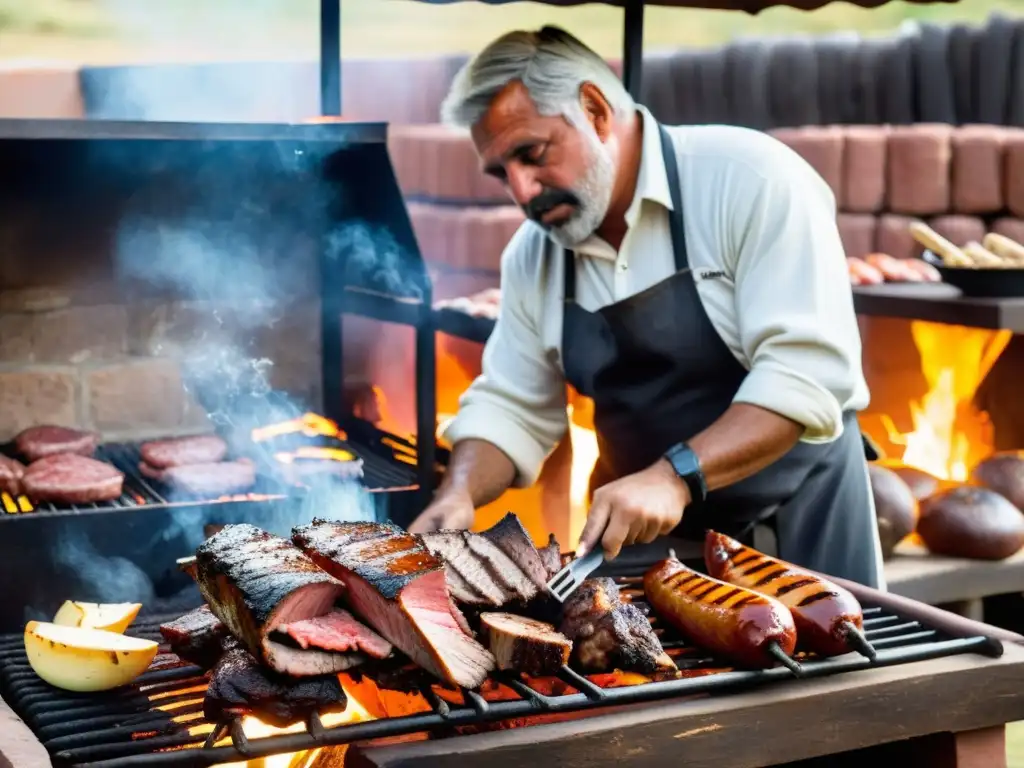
x=659, y=373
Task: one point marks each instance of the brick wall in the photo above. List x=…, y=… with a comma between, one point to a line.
x=140, y=369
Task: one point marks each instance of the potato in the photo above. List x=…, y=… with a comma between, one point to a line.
x=113, y=617
x=895, y=507
x=1003, y=473
x=85, y=660
x=971, y=522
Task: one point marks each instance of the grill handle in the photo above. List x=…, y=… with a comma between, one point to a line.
x=950, y=623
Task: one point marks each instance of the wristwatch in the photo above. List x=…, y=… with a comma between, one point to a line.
x=686, y=464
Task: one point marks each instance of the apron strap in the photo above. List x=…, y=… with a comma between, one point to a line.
x=675, y=219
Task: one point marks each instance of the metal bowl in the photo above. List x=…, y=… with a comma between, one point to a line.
x=980, y=282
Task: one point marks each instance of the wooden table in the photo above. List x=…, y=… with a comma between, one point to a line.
x=947, y=712
x=958, y=584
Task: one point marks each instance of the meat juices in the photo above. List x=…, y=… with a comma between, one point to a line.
x=180, y=451
x=400, y=589
x=524, y=645
x=824, y=612
x=198, y=637
x=71, y=479
x=45, y=440
x=735, y=623
x=255, y=582
x=608, y=634
x=11, y=472
x=239, y=686
x=217, y=479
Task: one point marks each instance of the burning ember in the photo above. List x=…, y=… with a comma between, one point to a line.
x=314, y=453
x=950, y=434
x=309, y=424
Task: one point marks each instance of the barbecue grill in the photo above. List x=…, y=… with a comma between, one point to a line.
x=273, y=193
x=125, y=728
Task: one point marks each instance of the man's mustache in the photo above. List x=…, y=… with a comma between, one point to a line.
x=549, y=199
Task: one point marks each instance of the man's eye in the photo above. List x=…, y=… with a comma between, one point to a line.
x=537, y=153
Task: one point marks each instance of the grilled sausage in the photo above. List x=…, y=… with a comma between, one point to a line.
x=925, y=271
x=828, y=618
x=734, y=623
x=894, y=270
x=862, y=273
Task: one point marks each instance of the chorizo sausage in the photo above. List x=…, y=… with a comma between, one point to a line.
x=828, y=618
x=742, y=626
x=862, y=273
x=895, y=270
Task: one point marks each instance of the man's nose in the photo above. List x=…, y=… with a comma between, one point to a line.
x=522, y=185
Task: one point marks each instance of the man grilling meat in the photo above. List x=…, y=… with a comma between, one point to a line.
x=691, y=281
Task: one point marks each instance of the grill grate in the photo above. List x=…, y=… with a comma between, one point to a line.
x=383, y=470
x=126, y=728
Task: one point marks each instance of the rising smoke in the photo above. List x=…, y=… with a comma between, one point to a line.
x=228, y=247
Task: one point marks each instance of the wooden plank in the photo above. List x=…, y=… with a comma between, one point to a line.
x=791, y=721
x=934, y=580
x=939, y=303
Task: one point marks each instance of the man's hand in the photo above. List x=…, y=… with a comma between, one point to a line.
x=449, y=510
x=635, y=509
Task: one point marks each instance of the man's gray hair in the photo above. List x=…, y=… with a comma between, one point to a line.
x=550, y=63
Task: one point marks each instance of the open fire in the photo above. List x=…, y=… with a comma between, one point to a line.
x=949, y=433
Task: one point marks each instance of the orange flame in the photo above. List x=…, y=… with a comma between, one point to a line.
x=314, y=452
x=309, y=424
x=950, y=435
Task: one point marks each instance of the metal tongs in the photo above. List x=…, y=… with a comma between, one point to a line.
x=568, y=580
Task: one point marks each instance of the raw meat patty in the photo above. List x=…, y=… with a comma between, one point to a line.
x=11, y=471
x=201, y=449
x=71, y=479
x=46, y=440
x=214, y=479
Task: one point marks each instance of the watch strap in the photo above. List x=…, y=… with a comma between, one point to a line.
x=687, y=466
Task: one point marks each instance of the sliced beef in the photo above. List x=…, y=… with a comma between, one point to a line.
x=71, y=479
x=524, y=645
x=608, y=634
x=11, y=471
x=337, y=631
x=511, y=538
x=240, y=686
x=198, y=637
x=400, y=589
x=502, y=567
x=255, y=583
x=216, y=479
x=471, y=581
x=47, y=440
x=551, y=556
x=179, y=451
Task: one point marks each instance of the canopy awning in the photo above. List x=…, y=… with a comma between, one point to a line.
x=632, y=36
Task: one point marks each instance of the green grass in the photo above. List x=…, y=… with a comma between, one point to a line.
x=171, y=29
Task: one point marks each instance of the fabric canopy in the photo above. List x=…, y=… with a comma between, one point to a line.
x=748, y=6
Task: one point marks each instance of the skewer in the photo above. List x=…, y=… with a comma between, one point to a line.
x=777, y=653
x=856, y=640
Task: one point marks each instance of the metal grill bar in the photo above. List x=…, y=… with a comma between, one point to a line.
x=125, y=728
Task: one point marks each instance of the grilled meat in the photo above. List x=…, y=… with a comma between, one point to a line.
x=208, y=480
x=11, y=471
x=400, y=589
x=180, y=451
x=71, y=479
x=828, y=618
x=256, y=583
x=469, y=577
x=337, y=631
x=502, y=567
x=198, y=637
x=551, y=556
x=608, y=634
x=524, y=645
x=240, y=686
x=38, y=442
x=511, y=538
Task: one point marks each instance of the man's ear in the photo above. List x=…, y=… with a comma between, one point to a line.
x=597, y=109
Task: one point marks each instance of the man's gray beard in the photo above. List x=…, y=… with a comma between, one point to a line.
x=595, y=195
